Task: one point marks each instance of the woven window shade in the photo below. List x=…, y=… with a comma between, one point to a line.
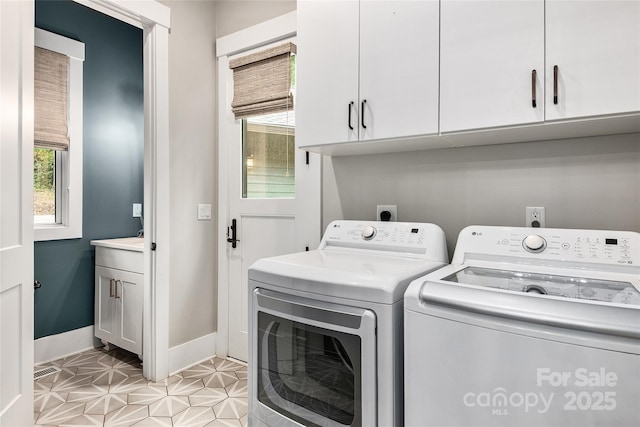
x=262, y=82
x=51, y=99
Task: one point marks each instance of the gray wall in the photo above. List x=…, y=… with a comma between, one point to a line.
x=192, y=81
x=235, y=15
x=583, y=183
x=195, y=25
x=112, y=164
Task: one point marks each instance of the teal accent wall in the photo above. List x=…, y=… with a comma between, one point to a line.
x=113, y=167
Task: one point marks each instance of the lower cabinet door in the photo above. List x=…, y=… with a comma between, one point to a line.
x=118, y=308
x=105, y=307
x=129, y=309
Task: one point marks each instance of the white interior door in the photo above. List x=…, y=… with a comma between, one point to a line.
x=273, y=195
x=16, y=212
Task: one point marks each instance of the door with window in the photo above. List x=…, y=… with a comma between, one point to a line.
x=269, y=193
x=16, y=207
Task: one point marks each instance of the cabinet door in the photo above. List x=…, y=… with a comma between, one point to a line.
x=488, y=52
x=129, y=307
x=326, y=72
x=399, y=44
x=596, y=46
x=105, y=308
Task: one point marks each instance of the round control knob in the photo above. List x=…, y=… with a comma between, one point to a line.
x=369, y=232
x=534, y=243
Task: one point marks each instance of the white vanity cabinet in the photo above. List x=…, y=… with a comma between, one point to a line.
x=366, y=70
x=118, y=293
x=575, y=59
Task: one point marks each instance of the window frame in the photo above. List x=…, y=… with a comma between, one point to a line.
x=68, y=163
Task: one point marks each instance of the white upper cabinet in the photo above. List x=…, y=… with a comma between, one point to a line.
x=366, y=70
x=395, y=75
x=398, y=68
x=327, y=72
x=595, y=46
x=489, y=51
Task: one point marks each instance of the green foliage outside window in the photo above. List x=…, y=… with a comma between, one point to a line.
x=44, y=183
x=44, y=166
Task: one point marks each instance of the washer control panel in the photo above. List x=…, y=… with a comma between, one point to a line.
x=598, y=246
x=408, y=237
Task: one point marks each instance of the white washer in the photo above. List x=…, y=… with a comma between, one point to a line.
x=325, y=332
x=527, y=327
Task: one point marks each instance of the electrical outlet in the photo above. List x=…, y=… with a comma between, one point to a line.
x=535, y=217
x=137, y=210
x=392, y=209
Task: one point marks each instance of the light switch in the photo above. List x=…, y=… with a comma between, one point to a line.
x=204, y=212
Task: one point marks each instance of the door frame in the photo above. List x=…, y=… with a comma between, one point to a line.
x=154, y=19
x=270, y=31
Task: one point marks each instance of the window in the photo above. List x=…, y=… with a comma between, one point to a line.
x=57, y=159
x=264, y=89
x=268, y=150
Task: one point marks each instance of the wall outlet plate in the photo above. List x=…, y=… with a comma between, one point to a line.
x=137, y=210
x=393, y=209
x=535, y=217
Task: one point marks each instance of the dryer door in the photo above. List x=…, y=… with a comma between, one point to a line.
x=314, y=362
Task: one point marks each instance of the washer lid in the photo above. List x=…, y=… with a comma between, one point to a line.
x=352, y=275
x=548, y=284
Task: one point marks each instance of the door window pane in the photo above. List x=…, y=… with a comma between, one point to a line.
x=268, y=148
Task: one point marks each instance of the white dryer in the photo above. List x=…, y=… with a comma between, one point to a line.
x=325, y=332
x=527, y=327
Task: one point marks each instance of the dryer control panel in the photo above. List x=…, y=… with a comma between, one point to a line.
x=400, y=237
x=591, y=246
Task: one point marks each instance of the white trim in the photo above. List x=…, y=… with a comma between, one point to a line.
x=223, y=216
x=279, y=28
x=156, y=204
x=69, y=188
x=57, y=43
x=191, y=353
x=57, y=346
x=154, y=18
x=139, y=13
x=261, y=34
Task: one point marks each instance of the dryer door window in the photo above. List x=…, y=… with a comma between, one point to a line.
x=312, y=373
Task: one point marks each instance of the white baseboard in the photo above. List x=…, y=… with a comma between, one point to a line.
x=53, y=347
x=191, y=353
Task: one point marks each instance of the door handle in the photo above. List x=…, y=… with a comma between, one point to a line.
x=116, y=282
x=233, y=239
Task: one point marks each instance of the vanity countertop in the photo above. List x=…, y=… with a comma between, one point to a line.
x=126, y=243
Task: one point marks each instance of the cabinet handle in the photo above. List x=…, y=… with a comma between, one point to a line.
x=350, y=107
x=533, y=88
x=117, y=281
x=111, y=287
x=362, y=104
x=555, y=84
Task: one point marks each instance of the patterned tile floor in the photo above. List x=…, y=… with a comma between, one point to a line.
x=100, y=388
